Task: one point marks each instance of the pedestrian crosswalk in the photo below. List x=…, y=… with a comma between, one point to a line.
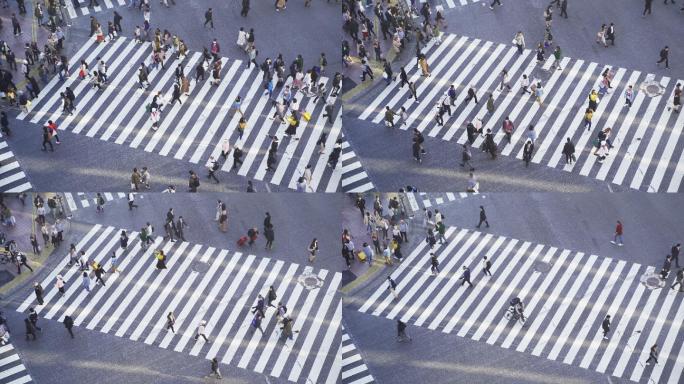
x=353, y=177
x=566, y=295
x=202, y=284
x=420, y=200
x=76, y=8
x=79, y=200
x=648, y=153
x=442, y=3
x=12, y=370
x=354, y=370
x=196, y=128
x=12, y=177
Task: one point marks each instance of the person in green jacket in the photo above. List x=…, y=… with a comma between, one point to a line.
x=441, y=229
x=557, y=55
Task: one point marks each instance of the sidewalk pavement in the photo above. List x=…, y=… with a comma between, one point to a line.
x=21, y=232
x=30, y=32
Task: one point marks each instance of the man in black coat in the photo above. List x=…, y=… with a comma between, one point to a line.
x=483, y=217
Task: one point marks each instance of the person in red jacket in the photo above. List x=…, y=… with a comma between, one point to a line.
x=617, y=238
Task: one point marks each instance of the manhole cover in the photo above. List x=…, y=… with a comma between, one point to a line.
x=199, y=266
x=651, y=88
x=310, y=281
x=542, y=267
x=652, y=281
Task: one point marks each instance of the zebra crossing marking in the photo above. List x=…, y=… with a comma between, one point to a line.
x=354, y=370
x=85, y=10
x=419, y=200
x=565, y=304
x=647, y=153
x=12, y=370
x=189, y=130
x=12, y=177
x=138, y=300
x=79, y=200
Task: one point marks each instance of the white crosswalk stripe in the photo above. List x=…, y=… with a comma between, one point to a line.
x=195, y=129
x=12, y=370
x=134, y=304
x=12, y=177
x=80, y=200
x=566, y=293
x=647, y=151
x=441, y=4
x=420, y=200
x=84, y=7
x=354, y=370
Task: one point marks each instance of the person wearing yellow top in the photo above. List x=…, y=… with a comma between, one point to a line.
x=593, y=100
x=588, y=115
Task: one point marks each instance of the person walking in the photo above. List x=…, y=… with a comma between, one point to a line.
x=490, y=104
x=23, y=262
x=557, y=56
x=606, y=326
x=401, y=331
x=498, y=2
x=413, y=93
x=538, y=93
x=465, y=277
x=664, y=57
x=653, y=355
x=99, y=272
x=161, y=259
x=214, y=361
x=610, y=33
x=679, y=280
x=33, y=317
x=528, y=149
x=392, y=287
x=180, y=228
x=114, y=263
x=389, y=117
x=69, y=324
x=201, y=328
x=271, y=296
x=674, y=252
x=38, y=289
x=588, y=115
x=434, y=262
x=286, y=329
x=617, y=237
x=256, y=322
x=466, y=156
x=30, y=329
x=505, y=81
x=564, y=8
x=629, y=96
x=47, y=139
x=569, y=151
x=269, y=234
x=486, y=265
x=85, y=281
x=313, y=249
x=209, y=18
x=483, y=218
x=519, y=41
x=647, y=7
x=59, y=284
x=676, y=98
x=170, y=322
